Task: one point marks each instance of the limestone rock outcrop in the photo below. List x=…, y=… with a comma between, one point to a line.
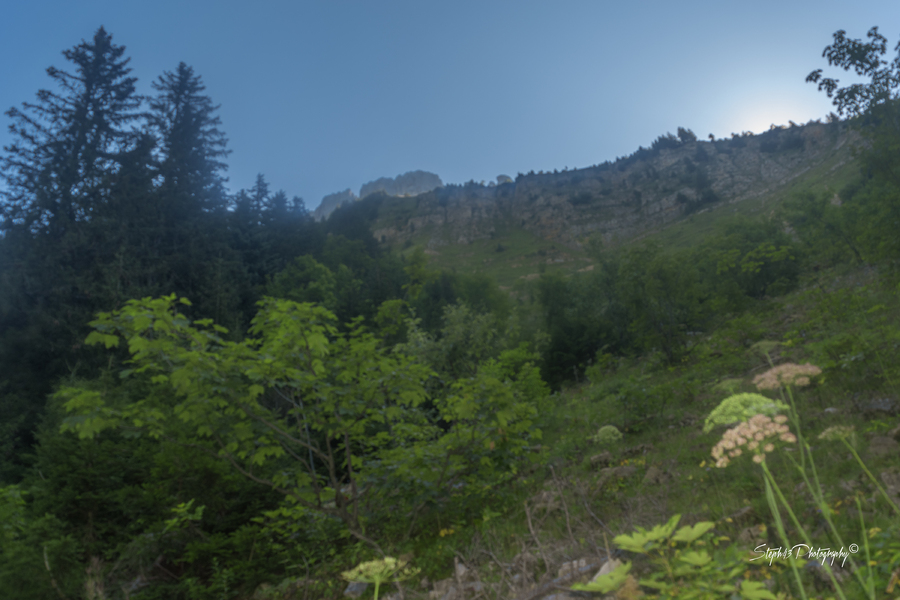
x=621, y=199
x=331, y=202
x=412, y=183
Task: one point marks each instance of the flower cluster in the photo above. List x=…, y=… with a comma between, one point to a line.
x=838, y=432
x=608, y=434
x=377, y=571
x=786, y=374
x=755, y=435
x=741, y=407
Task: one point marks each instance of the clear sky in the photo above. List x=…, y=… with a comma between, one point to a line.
x=324, y=95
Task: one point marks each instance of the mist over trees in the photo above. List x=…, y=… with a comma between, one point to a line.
x=112, y=196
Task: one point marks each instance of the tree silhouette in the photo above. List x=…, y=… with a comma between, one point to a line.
x=865, y=59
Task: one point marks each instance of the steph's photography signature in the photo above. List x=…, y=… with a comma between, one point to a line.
x=804, y=551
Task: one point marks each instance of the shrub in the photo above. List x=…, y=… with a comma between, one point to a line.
x=608, y=434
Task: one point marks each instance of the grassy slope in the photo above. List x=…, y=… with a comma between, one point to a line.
x=828, y=177
x=852, y=315
x=516, y=255
x=847, y=326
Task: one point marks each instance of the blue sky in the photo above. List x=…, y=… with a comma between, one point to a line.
x=322, y=96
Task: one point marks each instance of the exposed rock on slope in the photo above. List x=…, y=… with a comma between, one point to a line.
x=331, y=202
x=408, y=184
x=617, y=200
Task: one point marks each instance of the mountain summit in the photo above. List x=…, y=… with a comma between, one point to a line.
x=411, y=183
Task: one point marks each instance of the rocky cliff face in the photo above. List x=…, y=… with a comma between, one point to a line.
x=408, y=184
x=617, y=200
x=331, y=202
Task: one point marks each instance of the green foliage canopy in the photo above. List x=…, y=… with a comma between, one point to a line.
x=865, y=59
x=333, y=421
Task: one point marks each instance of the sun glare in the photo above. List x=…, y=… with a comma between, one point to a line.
x=759, y=118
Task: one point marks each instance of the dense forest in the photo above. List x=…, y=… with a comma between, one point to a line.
x=212, y=395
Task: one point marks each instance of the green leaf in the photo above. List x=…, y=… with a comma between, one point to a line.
x=755, y=590
x=142, y=322
x=95, y=337
x=658, y=585
x=606, y=583
x=634, y=542
x=689, y=533
x=697, y=559
x=663, y=532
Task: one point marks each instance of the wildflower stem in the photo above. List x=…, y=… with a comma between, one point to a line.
x=819, y=499
x=870, y=580
x=871, y=477
x=773, y=506
x=795, y=420
x=772, y=484
x=816, y=491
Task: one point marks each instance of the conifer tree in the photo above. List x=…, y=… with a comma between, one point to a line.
x=67, y=142
x=189, y=238
x=67, y=147
x=192, y=144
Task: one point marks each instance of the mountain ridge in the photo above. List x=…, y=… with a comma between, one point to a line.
x=410, y=183
x=617, y=200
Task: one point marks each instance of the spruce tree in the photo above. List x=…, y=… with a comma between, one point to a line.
x=189, y=238
x=191, y=143
x=68, y=145
x=67, y=142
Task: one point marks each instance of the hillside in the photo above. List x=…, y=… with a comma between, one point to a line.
x=207, y=396
x=542, y=221
x=406, y=184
